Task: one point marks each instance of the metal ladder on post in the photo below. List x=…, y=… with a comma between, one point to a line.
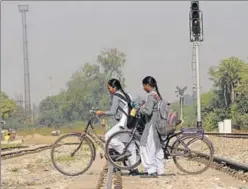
x=193, y=68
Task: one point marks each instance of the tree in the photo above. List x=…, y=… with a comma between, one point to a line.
x=228, y=98
x=8, y=106
x=112, y=62
x=226, y=77
x=86, y=89
x=229, y=93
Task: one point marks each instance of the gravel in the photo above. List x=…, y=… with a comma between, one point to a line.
x=231, y=148
x=35, y=171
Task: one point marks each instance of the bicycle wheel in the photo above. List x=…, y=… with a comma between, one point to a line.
x=110, y=156
x=72, y=152
x=182, y=148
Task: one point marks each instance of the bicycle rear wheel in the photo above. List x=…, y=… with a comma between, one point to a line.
x=183, y=149
x=68, y=153
x=126, y=163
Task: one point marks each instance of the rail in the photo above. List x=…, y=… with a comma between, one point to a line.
x=109, y=178
x=13, y=148
x=230, y=167
x=13, y=154
x=229, y=135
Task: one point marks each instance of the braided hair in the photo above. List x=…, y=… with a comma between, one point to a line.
x=115, y=83
x=153, y=83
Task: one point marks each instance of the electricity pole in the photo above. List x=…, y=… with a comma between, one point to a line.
x=180, y=92
x=23, y=9
x=196, y=36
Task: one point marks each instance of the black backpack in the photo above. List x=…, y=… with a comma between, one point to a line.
x=130, y=119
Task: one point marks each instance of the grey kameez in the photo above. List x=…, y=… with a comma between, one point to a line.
x=150, y=109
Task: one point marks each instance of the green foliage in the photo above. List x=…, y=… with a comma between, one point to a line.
x=210, y=121
x=188, y=113
x=85, y=90
x=228, y=97
x=8, y=106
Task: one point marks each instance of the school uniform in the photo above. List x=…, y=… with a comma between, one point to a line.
x=121, y=118
x=151, y=152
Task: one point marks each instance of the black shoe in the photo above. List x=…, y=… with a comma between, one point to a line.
x=116, y=170
x=134, y=172
x=152, y=175
x=123, y=156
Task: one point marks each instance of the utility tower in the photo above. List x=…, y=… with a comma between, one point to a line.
x=23, y=9
x=19, y=102
x=196, y=36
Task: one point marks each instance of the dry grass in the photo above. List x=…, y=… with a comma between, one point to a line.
x=10, y=145
x=44, y=135
x=45, y=131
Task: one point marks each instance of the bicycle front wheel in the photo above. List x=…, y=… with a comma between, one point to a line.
x=72, y=155
x=192, y=154
x=119, y=141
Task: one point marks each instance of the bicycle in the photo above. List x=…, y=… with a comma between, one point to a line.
x=173, y=151
x=85, y=136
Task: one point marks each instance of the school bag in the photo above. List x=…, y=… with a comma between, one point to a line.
x=130, y=118
x=167, y=119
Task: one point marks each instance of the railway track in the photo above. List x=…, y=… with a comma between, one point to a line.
x=109, y=178
x=13, y=148
x=229, y=135
x=13, y=154
x=232, y=168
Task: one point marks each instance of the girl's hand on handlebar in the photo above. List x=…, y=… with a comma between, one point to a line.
x=135, y=105
x=98, y=112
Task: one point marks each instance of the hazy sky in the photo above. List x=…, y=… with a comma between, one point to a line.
x=62, y=36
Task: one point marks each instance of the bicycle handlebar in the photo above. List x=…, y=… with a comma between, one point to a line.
x=93, y=111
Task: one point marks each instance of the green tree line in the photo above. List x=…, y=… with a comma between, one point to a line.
x=228, y=97
x=86, y=89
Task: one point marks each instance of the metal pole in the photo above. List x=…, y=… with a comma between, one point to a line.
x=23, y=9
x=109, y=177
x=199, y=121
x=181, y=107
x=180, y=92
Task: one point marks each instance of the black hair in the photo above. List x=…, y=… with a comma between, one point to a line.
x=115, y=83
x=152, y=82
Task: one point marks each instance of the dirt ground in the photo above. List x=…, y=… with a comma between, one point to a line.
x=35, y=171
x=37, y=139
x=235, y=149
x=211, y=179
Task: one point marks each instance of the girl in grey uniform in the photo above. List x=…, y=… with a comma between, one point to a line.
x=151, y=152
x=114, y=87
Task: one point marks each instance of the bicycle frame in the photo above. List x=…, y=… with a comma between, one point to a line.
x=133, y=133
x=85, y=133
x=88, y=126
x=179, y=136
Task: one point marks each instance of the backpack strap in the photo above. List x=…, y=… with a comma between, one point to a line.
x=124, y=99
x=121, y=97
x=155, y=95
